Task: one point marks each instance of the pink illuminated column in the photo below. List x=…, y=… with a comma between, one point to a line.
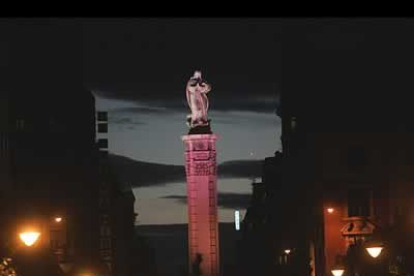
x=203, y=236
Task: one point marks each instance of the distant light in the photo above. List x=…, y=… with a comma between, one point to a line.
x=287, y=251
x=29, y=238
x=237, y=220
x=58, y=219
x=337, y=272
x=374, y=251
x=330, y=210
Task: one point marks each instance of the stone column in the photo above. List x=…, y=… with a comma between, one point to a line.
x=203, y=235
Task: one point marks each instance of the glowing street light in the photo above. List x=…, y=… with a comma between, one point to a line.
x=29, y=238
x=374, y=251
x=58, y=219
x=330, y=210
x=375, y=245
x=339, y=268
x=338, y=271
x=287, y=251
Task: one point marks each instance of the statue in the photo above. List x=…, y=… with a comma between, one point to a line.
x=196, y=92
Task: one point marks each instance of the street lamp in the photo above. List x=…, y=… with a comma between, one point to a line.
x=29, y=238
x=338, y=271
x=374, y=251
x=374, y=246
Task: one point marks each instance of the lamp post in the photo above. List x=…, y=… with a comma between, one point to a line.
x=377, y=262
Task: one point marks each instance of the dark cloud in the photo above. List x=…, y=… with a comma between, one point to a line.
x=143, y=174
x=225, y=200
x=142, y=110
x=162, y=104
x=124, y=121
x=240, y=168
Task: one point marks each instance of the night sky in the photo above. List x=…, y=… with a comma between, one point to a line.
x=138, y=69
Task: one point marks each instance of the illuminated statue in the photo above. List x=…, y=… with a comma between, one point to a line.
x=196, y=92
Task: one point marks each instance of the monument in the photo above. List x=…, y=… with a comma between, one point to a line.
x=201, y=171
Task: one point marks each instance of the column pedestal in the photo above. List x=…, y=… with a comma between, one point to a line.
x=203, y=235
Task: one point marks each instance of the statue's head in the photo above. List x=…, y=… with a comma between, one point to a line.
x=196, y=78
x=197, y=75
x=204, y=87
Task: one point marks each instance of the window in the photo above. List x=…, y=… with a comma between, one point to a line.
x=103, y=143
x=105, y=243
x=20, y=124
x=104, y=219
x=105, y=230
x=103, y=128
x=359, y=202
x=102, y=116
x=106, y=254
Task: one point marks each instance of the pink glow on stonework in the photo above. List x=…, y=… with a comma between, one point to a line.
x=203, y=236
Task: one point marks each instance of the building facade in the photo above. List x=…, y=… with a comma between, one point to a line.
x=346, y=143
x=51, y=175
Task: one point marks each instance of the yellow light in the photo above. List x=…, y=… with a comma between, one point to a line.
x=287, y=251
x=374, y=252
x=337, y=272
x=29, y=238
x=58, y=219
x=330, y=210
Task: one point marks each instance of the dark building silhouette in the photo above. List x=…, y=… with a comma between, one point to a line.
x=347, y=137
x=49, y=153
x=345, y=173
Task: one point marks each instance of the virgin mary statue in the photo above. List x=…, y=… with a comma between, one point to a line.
x=196, y=92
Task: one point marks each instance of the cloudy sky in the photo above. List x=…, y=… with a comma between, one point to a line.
x=138, y=69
